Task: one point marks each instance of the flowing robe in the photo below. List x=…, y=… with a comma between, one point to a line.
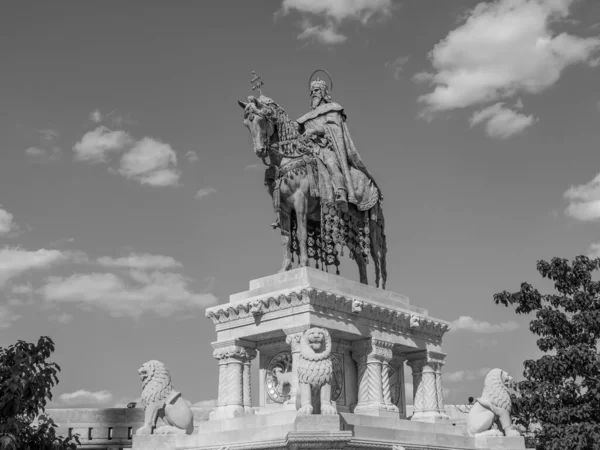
x=360, y=185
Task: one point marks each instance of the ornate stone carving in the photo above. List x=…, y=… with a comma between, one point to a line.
x=357, y=306
x=325, y=301
x=415, y=322
x=279, y=377
x=161, y=400
x=315, y=371
x=493, y=407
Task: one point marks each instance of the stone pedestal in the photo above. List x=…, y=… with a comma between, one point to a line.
x=373, y=332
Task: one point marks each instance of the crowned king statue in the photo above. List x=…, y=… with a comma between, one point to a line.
x=326, y=124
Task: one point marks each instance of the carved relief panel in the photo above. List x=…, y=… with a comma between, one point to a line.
x=278, y=378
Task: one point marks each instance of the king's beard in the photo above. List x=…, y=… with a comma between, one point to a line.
x=315, y=101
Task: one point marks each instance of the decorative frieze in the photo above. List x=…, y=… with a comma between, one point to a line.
x=327, y=303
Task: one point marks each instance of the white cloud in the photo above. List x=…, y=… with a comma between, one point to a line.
x=16, y=261
x=397, y=65
x=501, y=122
x=48, y=134
x=503, y=48
x=21, y=289
x=42, y=155
x=95, y=145
x=7, y=317
x=325, y=34
x=594, y=250
x=151, y=162
x=157, y=293
x=467, y=323
x=465, y=375
x=333, y=13
x=140, y=261
x=62, y=318
x=6, y=222
x=192, y=156
x=86, y=398
x=205, y=191
x=584, y=200
x=96, y=116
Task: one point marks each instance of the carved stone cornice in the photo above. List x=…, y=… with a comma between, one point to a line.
x=316, y=439
x=372, y=349
x=234, y=351
x=328, y=303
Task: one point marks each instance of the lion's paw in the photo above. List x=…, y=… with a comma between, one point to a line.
x=328, y=410
x=305, y=410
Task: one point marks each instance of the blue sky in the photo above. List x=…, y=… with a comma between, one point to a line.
x=131, y=198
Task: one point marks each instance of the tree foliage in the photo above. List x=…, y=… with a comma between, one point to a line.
x=26, y=381
x=560, y=396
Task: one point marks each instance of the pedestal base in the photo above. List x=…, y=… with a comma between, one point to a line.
x=288, y=431
x=230, y=412
x=377, y=409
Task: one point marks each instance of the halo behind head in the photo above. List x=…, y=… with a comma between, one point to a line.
x=310, y=79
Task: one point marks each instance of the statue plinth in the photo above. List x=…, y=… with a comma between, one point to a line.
x=373, y=332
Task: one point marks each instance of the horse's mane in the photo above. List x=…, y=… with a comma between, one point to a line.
x=286, y=128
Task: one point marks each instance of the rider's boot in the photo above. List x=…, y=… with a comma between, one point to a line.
x=340, y=200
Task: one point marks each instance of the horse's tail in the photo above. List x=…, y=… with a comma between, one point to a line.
x=382, y=245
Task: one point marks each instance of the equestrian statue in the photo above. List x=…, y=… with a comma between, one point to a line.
x=324, y=197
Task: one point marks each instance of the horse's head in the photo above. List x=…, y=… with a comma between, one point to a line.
x=259, y=118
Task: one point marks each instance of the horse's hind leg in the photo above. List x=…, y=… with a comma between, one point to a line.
x=300, y=205
x=286, y=241
x=362, y=267
x=382, y=250
x=374, y=247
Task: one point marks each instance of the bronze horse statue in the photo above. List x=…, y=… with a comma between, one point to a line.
x=290, y=179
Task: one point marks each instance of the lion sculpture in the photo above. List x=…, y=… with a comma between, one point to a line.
x=315, y=372
x=493, y=407
x=162, y=401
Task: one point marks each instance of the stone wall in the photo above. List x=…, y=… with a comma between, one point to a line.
x=110, y=428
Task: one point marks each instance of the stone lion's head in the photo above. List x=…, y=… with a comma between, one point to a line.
x=315, y=367
x=155, y=379
x=316, y=339
x=497, y=387
x=148, y=368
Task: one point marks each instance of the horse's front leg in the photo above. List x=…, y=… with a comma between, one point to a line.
x=286, y=241
x=301, y=205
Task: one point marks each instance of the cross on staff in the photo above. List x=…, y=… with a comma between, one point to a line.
x=256, y=82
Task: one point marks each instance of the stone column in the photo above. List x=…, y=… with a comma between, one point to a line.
x=234, y=382
x=372, y=358
x=441, y=410
x=247, y=382
x=428, y=396
x=294, y=341
x=397, y=364
x=416, y=366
